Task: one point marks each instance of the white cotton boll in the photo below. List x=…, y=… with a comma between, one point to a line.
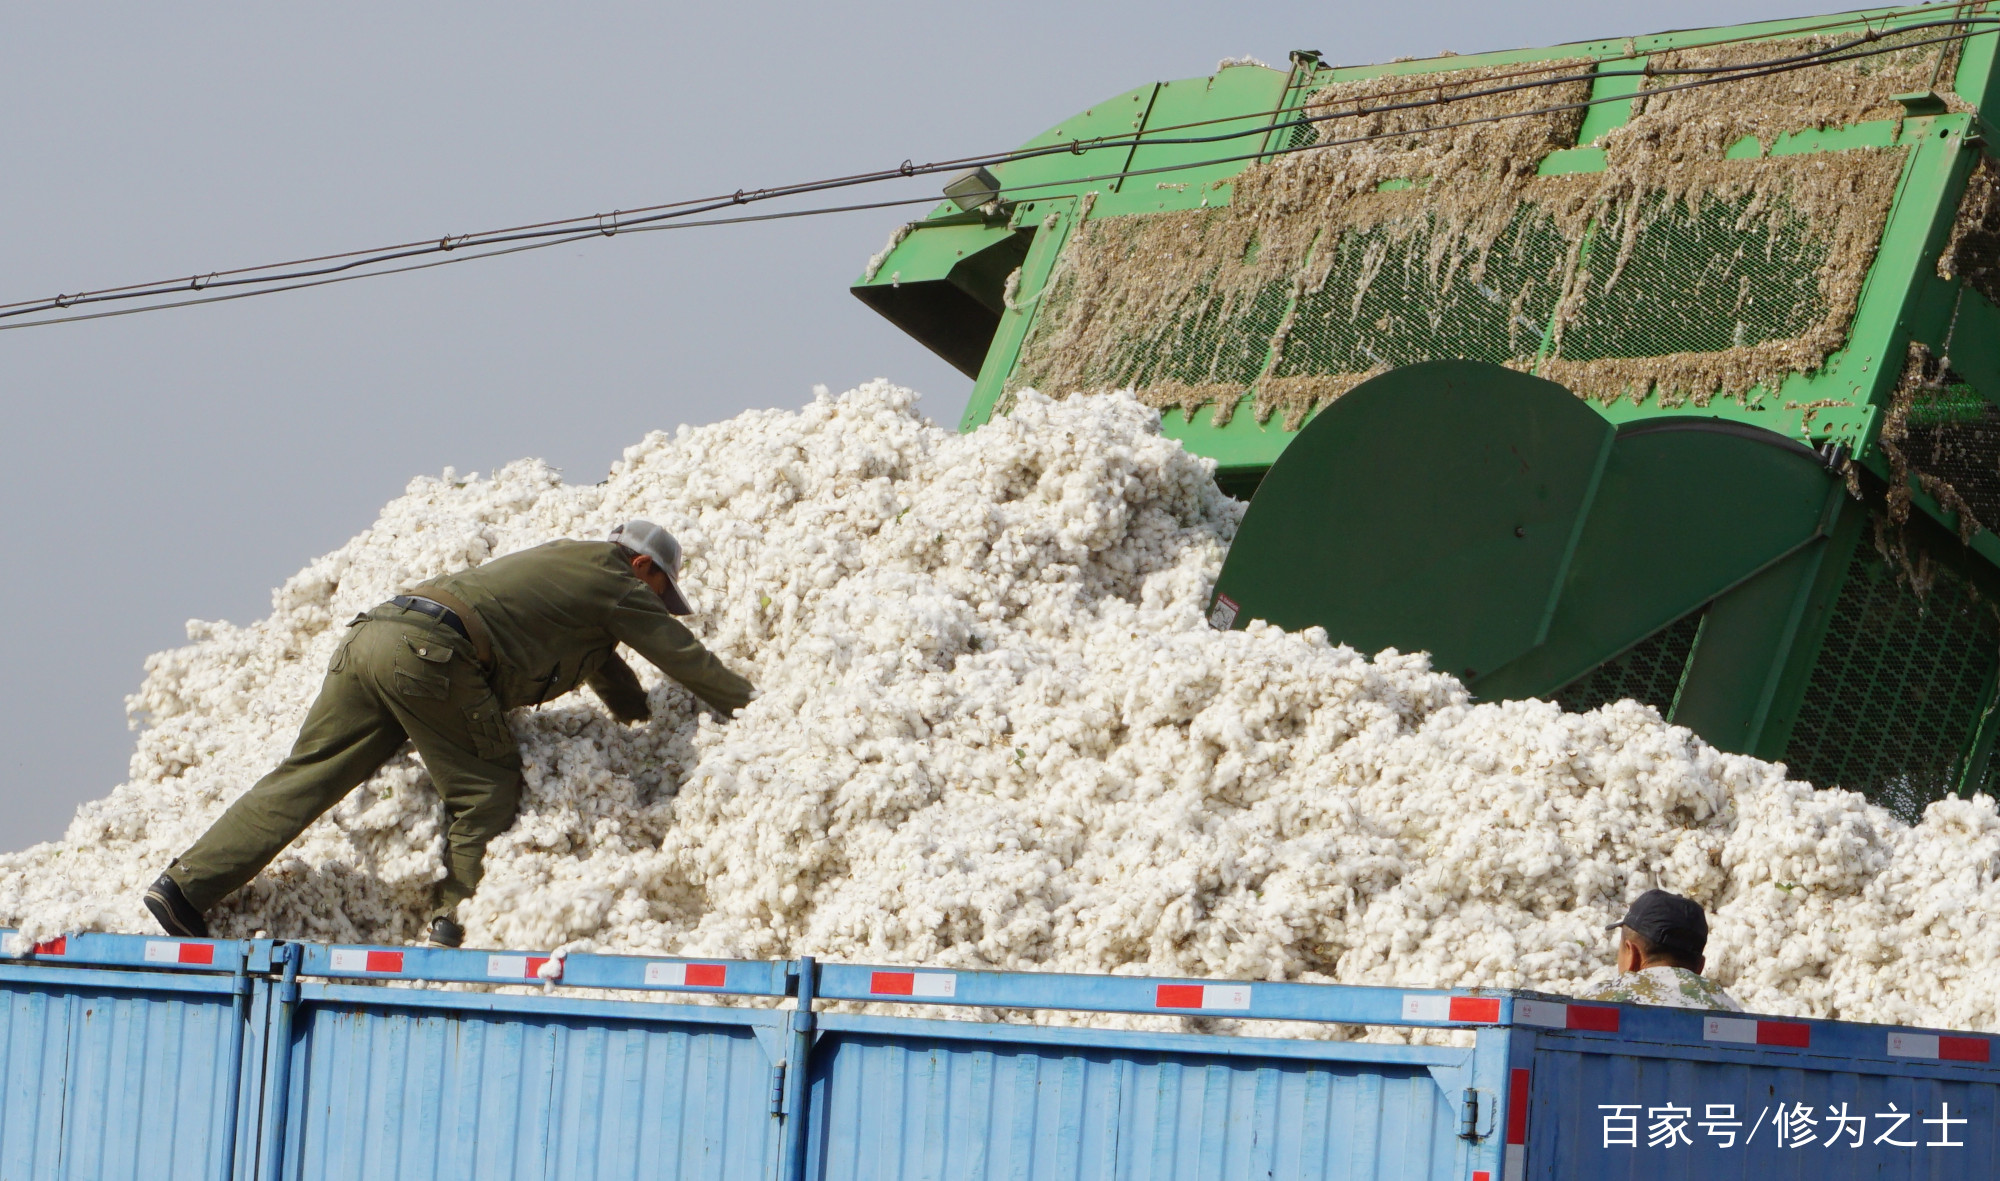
x=995, y=731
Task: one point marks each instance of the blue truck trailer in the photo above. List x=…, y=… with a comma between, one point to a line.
x=130, y=1057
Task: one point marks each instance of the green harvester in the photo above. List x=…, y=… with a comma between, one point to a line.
x=1658, y=367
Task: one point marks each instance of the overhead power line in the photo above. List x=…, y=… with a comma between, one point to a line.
x=543, y=244
x=323, y=270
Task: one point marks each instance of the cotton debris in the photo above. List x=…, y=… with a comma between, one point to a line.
x=995, y=731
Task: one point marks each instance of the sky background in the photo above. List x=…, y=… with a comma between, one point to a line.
x=176, y=465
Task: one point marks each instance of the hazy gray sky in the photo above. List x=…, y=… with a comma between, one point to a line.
x=179, y=464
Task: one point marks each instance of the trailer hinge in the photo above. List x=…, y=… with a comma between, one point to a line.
x=1468, y=1120
x=778, y=1089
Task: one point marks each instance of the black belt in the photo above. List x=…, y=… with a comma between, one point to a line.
x=435, y=610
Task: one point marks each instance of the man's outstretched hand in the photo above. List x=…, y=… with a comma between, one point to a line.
x=617, y=686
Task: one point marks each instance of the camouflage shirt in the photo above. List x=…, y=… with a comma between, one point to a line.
x=1676, y=988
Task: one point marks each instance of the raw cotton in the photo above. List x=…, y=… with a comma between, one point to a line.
x=995, y=732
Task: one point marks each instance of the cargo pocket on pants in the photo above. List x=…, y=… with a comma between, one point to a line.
x=422, y=670
x=491, y=739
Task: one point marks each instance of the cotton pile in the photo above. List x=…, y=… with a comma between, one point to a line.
x=995, y=731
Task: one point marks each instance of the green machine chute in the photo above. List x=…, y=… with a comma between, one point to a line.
x=1646, y=367
x=1434, y=508
x=1494, y=520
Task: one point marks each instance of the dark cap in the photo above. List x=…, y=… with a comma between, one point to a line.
x=1671, y=923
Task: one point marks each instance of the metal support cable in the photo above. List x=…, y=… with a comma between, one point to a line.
x=652, y=217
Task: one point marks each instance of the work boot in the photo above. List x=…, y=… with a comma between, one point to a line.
x=170, y=907
x=444, y=933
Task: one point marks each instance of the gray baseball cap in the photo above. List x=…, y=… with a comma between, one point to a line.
x=644, y=537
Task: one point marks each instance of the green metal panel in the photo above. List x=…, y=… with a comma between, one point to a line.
x=1061, y=174
x=1815, y=615
x=949, y=289
x=1733, y=672
x=1686, y=510
x=1056, y=218
x=1834, y=403
x=1452, y=538
x=1757, y=657
x=1242, y=448
x=1489, y=518
x=1976, y=76
x=941, y=248
x=1619, y=76
x=1905, y=264
x=1251, y=93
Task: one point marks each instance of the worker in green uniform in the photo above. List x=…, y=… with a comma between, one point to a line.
x=440, y=667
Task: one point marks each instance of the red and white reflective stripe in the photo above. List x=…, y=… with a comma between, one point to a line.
x=161, y=951
x=1940, y=1047
x=1555, y=1015
x=1450, y=1008
x=57, y=946
x=930, y=984
x=1224, y=997
x=518, y=967
x=688, y=975
x=361, y=959
x=1756, y=1033
x=1515, y=1159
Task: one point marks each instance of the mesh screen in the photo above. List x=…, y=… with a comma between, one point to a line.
x=1700, y=276
x=1419, y=227
x=1712, y=291
x=1110, y=331
x=1897, y=692
x=1649, y=672
x=1220, y=343
x=1951, y=435
x=1385, y=301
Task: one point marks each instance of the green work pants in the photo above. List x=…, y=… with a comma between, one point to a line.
x=398, y=675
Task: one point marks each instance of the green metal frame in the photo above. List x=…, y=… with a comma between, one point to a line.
x=1903, y=299
x=1754, y=653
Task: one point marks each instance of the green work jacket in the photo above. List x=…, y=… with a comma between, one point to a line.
x=553, y=616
